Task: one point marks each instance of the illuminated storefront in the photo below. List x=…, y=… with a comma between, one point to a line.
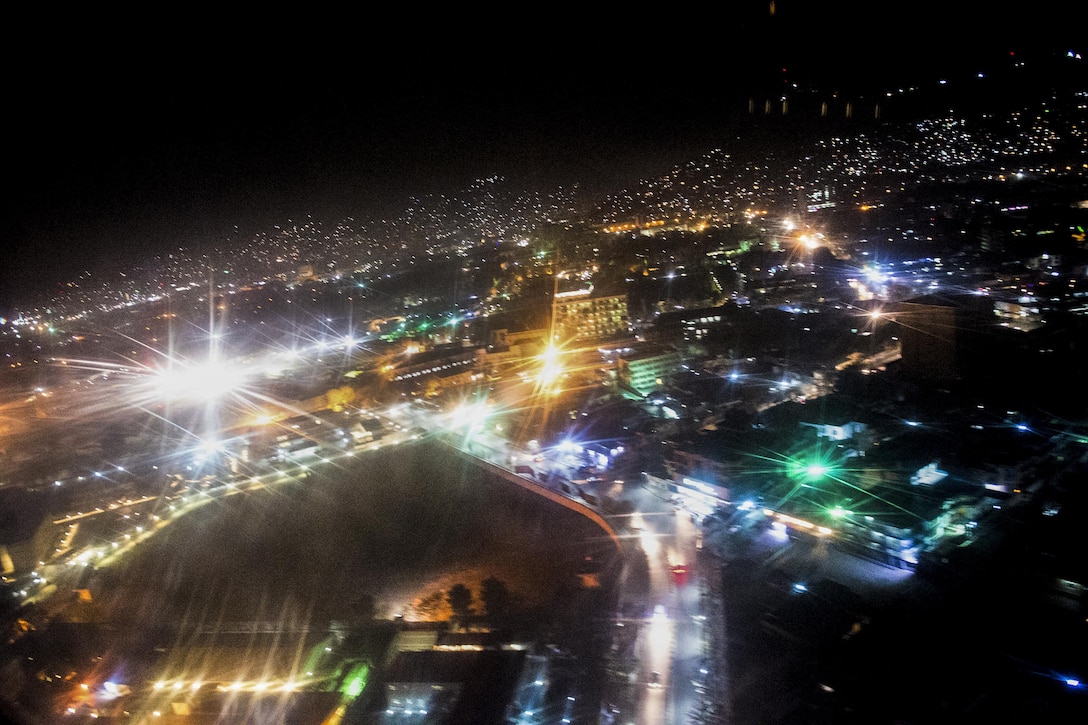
x=699, y=497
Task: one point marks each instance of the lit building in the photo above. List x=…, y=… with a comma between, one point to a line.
x=581, y=315
x=700, y=482
x=444, y=361
x=646, y=369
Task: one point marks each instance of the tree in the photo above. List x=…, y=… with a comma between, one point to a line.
x=496, y=598
x=460, y=600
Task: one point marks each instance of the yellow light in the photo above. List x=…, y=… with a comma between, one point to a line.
x=795, y=522
x=551, y=368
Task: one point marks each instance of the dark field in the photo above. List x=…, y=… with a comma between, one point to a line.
x=387, y=530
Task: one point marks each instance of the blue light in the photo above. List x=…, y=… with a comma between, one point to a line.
x=1072, y=681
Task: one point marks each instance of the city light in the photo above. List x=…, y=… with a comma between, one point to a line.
x=852, y=457
x=551, y=369
x=198, y=383
x=648, y=542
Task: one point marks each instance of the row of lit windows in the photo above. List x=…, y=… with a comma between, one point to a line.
x=435, y=369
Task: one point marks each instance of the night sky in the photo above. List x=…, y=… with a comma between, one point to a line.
x=119, y=147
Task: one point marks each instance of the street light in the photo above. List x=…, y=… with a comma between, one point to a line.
x=200, y=383
x=551, y=369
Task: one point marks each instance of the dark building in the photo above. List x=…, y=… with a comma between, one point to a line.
x=943, y=337
x=465, y=685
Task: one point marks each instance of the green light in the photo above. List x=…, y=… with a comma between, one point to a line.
x=838, y=512
x=355, y=686
x=355, y=682
x=811, y=468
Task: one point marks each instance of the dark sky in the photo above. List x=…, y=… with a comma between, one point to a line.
x=122, y=144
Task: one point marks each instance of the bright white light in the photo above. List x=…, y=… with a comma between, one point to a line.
x=551, y=369
x=648, y=542
x=209, y=448
x=660, y=637
x=198, y=383
x=568, y=446
x=469, y=415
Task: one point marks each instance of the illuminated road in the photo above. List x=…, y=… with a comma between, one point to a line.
x=674, y=642
x=670, y=641
x=671, y=650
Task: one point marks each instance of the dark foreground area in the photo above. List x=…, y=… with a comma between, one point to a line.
x=355, y=548
x=980, y=639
